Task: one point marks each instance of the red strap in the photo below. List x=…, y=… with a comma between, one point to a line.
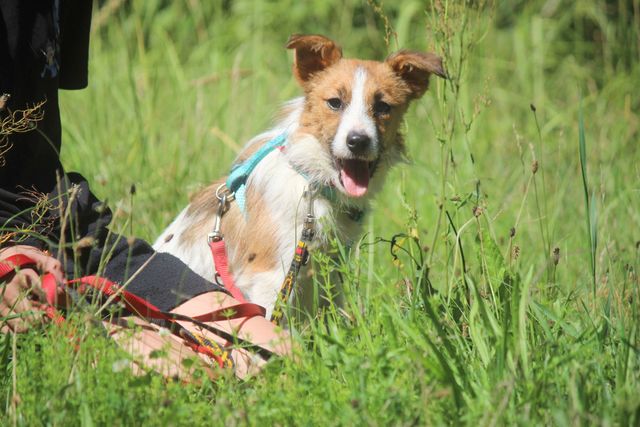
x=19, y=260
x=219, y=252
x=54, y=315
x=50, y=288
x=245, y=309
x=10, y=264
x=144, y=308
x=131, y=301
x=49, y=284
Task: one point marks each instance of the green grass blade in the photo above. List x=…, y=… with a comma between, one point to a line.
x=590, y=209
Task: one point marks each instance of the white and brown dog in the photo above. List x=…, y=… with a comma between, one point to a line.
x=342, y=136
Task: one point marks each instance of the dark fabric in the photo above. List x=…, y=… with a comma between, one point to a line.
x=44, y=47
x=30, y=73
x=75, y=21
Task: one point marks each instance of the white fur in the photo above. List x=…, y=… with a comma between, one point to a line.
x=265, y=296
x=197, y=257
x=356, y=119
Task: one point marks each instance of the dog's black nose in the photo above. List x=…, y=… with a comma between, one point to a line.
x=358, y=142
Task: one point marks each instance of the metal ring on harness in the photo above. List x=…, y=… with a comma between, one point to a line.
x=226, y=192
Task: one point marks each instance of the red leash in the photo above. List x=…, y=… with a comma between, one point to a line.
x=140, y=306
x=48, y=283
x=219, y=249
x=221, y=261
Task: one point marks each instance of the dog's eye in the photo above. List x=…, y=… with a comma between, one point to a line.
x=334, y=103
x=381, y=108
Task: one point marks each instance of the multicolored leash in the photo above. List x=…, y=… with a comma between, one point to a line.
x=300, y=258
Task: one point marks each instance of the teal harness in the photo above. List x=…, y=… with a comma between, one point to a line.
x=237, y=179
x=240, y=172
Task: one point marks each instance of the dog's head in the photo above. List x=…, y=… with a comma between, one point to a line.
x=353, y=108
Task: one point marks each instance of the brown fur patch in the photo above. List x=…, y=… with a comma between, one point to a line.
x=415, y=68
x=313, y=53
x=253, y=238
x=250, y=241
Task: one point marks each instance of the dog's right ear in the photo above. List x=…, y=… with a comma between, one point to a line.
x=313, y=53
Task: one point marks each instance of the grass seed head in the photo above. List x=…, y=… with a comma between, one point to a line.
x=85, y=242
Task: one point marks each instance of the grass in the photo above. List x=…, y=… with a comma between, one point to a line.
x=493, y=305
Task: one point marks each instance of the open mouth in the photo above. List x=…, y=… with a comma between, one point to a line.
x=355, y=175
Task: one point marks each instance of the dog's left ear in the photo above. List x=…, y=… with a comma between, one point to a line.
x=313, y=53
x=415, y=68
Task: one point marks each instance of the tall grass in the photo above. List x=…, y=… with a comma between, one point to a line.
x=589, y=202
x=452, y=313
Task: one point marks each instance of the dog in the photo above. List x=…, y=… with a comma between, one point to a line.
x=333, y=148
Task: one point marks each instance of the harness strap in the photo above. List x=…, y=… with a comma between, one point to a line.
x=237, y=179
x=300, y=258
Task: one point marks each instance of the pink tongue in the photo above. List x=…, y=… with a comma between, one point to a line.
x=355, y=177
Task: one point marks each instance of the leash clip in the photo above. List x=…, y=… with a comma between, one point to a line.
x=216, y=235
x=309, y=226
